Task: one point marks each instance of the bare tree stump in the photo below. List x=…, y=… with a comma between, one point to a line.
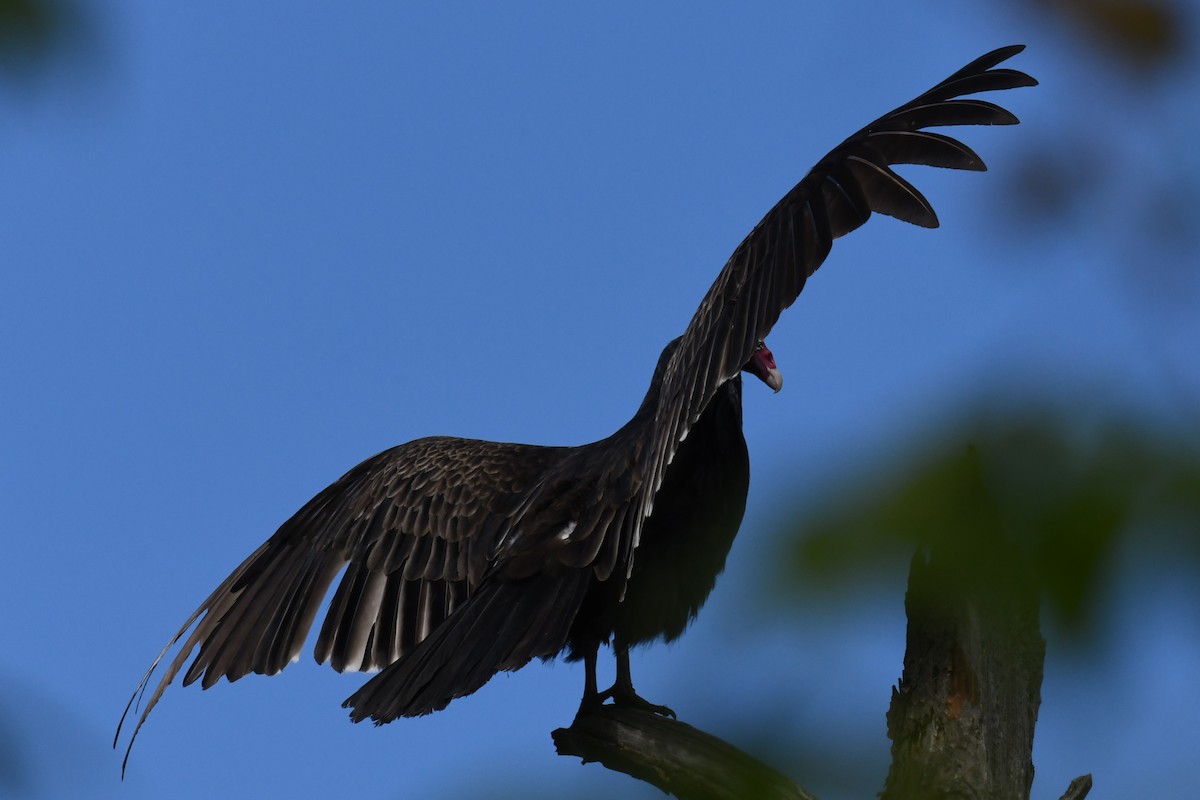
x=962, y=718
x=963, y=715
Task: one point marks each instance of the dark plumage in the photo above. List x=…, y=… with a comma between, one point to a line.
x=464, y=557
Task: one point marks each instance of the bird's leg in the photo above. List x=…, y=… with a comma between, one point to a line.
x=622, y=692
x=591, y=695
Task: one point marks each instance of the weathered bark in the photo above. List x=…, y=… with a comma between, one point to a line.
x=962, y=719
x=1078, y=789
x=674, y=756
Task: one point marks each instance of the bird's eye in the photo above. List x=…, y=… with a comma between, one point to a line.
x=761, y=344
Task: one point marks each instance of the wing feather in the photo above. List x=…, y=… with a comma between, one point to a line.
x=768, y=271
x=389, y=522
x=762, y=278
x=925, y=148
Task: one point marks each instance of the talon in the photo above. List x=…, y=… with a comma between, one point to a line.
x=625, y=696
x=662, y=711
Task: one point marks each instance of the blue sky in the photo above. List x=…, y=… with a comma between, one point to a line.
x=247, y=247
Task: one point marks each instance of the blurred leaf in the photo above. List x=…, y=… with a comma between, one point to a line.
x=1147, y=34
x=1066, y=493
x=27, y=27
x=34, y=32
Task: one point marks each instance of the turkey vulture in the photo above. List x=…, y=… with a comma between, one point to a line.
x=464, y=557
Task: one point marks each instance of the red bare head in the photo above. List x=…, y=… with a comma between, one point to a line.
x=762, y=366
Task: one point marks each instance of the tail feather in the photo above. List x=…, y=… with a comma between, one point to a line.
x=502, y=626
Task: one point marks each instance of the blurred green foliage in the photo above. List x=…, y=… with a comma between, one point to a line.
x=28, y=29
x=1069, y=493
x=36, y=33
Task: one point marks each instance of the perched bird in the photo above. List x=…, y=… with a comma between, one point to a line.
x=463, y=558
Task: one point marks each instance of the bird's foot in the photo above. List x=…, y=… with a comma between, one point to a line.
x=624, y=696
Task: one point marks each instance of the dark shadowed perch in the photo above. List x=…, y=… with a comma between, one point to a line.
x=674, y=756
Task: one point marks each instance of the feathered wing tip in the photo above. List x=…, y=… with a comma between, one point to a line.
x=249, y=623
x=768, y=270
x=502, y=626
x=139, y=691
x=856, y=177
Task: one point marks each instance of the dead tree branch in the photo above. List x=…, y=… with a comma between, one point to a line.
x=674, y=756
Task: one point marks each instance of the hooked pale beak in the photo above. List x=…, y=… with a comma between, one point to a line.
x=762, y=366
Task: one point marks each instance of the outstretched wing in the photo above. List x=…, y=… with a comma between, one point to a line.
x=768, y=270
x=415, y=525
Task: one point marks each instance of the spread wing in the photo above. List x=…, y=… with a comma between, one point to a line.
x=768, y=270
x=414, y=527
